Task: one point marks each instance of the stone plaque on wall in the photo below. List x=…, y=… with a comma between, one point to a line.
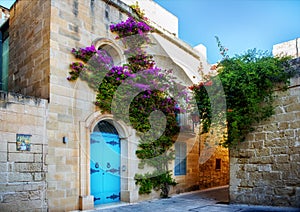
x=23, y=142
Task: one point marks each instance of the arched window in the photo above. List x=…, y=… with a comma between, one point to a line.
x=112, y=52
x=112, y=49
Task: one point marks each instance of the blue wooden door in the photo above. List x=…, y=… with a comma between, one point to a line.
x=105, y=167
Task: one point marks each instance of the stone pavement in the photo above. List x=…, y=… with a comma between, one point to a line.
x=208, y=200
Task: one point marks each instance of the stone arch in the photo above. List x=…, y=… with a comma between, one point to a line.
x=86, y=128
x=95, y=118
x=111, y=48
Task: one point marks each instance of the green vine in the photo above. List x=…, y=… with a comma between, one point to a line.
x=156, y=181
x=249, y=81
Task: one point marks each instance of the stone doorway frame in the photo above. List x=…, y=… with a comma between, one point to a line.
x=86, y=200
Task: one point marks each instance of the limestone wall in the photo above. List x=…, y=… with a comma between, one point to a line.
x=74, y=24
x=29, y=54
x=158, y=15
x=212, y=174
x=289, y=48
x=264, y=170
x=43, y=34
x=72, y=113
x=22, y=173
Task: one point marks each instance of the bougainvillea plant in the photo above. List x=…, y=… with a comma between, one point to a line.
x=93, y=66
x=150, y=84
x=130, y=27
x=249, y=81
x=134, y=92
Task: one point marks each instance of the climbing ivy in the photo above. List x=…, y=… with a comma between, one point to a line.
x=249, y=81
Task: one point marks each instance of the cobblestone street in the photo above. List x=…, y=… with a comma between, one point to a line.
x=109, y=105
x=209, y=200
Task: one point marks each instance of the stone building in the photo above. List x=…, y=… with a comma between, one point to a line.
x=213, y=163
x=264, y=170
x=47, y=122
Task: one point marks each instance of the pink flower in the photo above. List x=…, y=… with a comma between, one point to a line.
x=209, y=83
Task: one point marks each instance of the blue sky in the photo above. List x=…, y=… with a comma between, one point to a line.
x=240, y=24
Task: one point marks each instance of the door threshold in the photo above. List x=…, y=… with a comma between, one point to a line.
x=110, y=205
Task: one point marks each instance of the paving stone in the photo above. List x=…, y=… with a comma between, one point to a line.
x=209, y=200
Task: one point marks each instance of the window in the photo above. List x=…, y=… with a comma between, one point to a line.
x=120, y=16
x=4, y=56
x=184, y=121
x=107, y=12
x=218, y=164
x=180, y=158
x=112, y=52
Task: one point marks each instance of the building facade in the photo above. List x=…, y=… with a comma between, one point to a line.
x=49, y=125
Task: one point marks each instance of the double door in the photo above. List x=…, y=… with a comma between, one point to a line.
x=105, y=167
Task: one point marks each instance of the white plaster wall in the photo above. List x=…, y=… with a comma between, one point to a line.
x=288, y=48
x=201, y=49
x=157, y=14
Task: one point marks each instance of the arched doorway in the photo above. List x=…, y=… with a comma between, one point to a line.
x=105, y=148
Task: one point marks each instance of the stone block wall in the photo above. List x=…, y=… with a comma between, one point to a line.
x=22, y=173
x=210, y=175
x=264, y=170
x=41, y=57
x=29, y=53
x=74, y=24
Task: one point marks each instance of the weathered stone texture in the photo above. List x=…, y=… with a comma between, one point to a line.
x=29, y=68
x=265, y=168
x=73, y=24
x=43, y=34
x=22, y=173
x=209, y=175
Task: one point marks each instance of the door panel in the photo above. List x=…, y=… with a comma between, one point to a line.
x=105, y=167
